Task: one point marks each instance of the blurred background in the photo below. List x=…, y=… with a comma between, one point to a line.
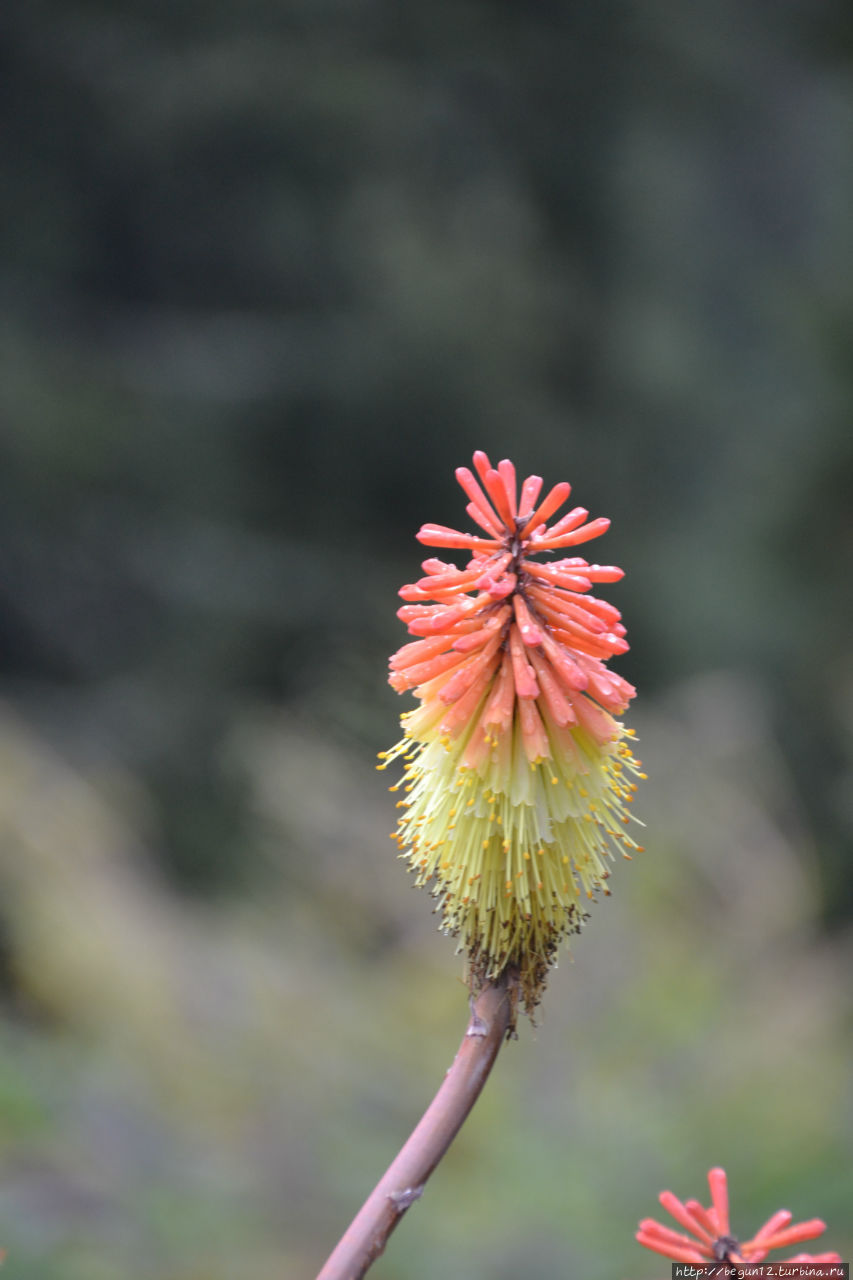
x=270, y=272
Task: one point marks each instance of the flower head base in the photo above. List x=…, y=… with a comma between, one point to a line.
x=710, y=1239
x=518, y=777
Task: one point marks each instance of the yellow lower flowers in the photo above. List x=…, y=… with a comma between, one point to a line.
x=518, y=776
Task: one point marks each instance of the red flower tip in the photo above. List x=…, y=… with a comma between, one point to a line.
x=720, y=1199
x=712, y=1239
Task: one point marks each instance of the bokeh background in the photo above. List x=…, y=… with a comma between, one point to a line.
x=270, y=271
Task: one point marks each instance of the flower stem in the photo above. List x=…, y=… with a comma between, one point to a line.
x=492, y=1020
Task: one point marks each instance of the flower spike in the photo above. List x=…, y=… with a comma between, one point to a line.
x=710, y=1239
x=518, y=774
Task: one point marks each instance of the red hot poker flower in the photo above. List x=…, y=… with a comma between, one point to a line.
x=710, y=1239
x=518, y=776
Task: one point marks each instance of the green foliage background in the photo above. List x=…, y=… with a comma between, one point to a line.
x=270, y=271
